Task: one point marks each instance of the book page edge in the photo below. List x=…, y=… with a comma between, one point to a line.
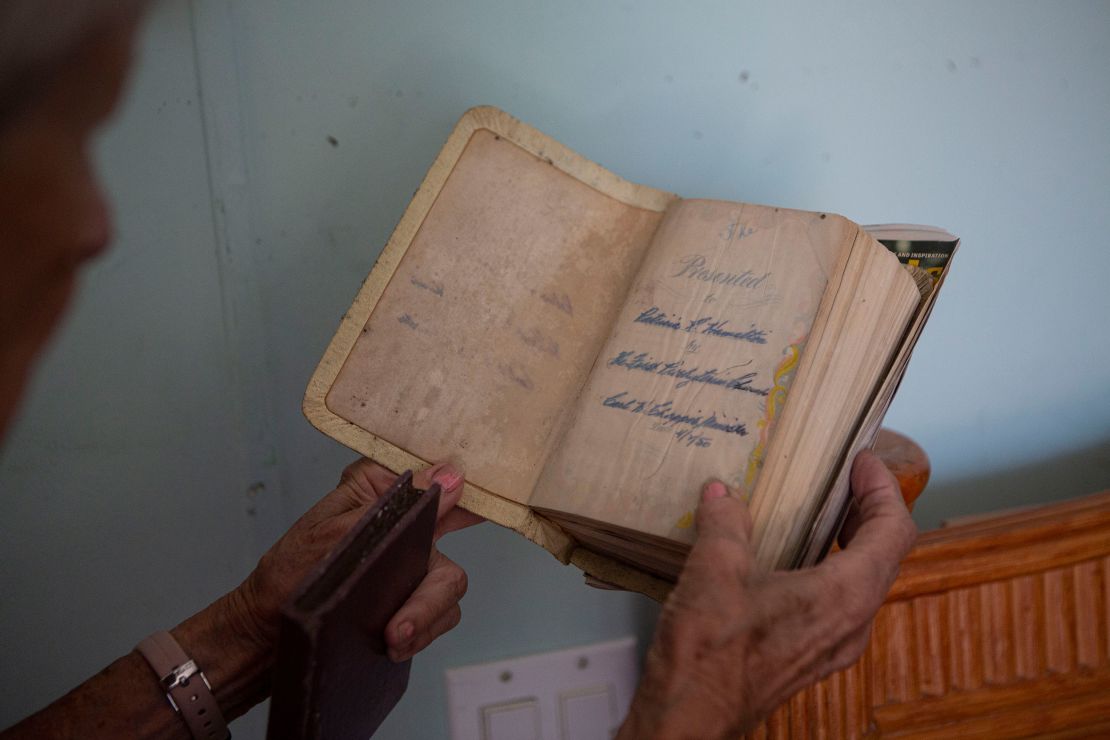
x=769, y=551
x=819, y=541
x=618, y=574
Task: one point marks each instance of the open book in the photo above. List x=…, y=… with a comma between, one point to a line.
x=592, y=351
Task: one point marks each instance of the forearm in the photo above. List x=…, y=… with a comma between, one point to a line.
x=123, y=700
x=126, y=700
x=671, y=704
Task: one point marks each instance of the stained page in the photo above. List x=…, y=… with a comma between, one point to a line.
x=690, y=381
x=487, y=329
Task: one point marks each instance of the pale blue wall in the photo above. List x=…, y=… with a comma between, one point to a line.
x=166, y=416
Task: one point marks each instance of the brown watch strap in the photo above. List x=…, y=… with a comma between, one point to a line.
x=186, y=687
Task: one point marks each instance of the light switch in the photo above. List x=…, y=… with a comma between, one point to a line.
x=519, y=720
x=588, y=714
x=578, y=694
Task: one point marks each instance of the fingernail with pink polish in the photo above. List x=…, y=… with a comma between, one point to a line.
x=716, y=489
x=448, y=478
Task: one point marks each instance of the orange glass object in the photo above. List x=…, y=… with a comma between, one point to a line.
x=906, y=460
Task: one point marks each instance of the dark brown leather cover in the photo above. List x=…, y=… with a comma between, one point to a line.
x=332, y=678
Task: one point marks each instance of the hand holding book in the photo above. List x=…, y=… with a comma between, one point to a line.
x=382, y=593
x=432, y=609
x=733, y=643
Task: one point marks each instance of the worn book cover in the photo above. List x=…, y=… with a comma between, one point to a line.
x=607, y=347
x=332, y=677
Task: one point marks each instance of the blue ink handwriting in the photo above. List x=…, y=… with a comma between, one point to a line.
x=669, y=417
x=643, y=362
x=702, y=325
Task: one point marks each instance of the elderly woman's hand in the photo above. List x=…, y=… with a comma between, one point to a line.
x=432, y=609
x=734, y=643
x=232, y=639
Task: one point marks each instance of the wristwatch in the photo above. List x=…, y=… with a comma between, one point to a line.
x=186, y=686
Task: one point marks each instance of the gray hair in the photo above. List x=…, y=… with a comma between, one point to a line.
x=36, y=35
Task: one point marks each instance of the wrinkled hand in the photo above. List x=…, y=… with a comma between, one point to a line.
x=733, y=643
x=433, y=608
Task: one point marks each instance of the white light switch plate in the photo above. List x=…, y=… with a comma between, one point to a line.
x=577, y=694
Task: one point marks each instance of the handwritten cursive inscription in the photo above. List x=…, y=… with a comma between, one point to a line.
x=702, y=325
x=717, y=329
x=693, y=268
x=643, y=362
x=408, y=321
x=657, y=317
x=686, y=425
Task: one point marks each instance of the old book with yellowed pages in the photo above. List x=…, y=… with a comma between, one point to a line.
x=591, y=351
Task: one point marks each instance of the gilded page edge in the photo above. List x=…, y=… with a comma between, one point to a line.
x=314, y=406
x=803, y=363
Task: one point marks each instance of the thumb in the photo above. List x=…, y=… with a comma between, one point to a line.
x=723, y=514
x=450, y=480
x=723, y=547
